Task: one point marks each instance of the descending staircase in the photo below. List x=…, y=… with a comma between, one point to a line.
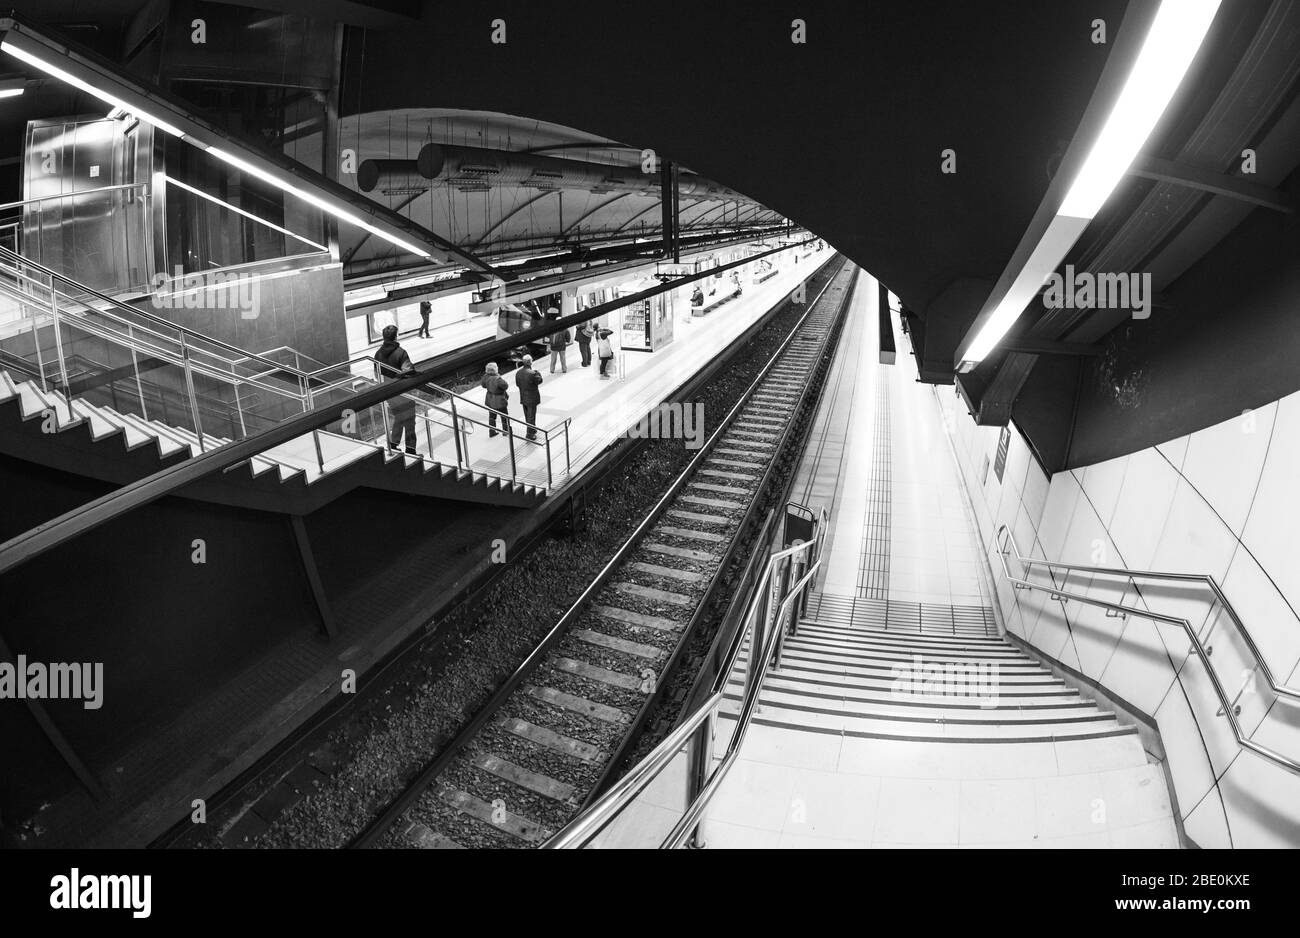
x=96, y=440
x=939, y=717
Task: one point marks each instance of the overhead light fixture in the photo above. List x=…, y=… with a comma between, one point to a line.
x=311, y=199
x=1167, y=52
x=12, y=87
x=54, y=71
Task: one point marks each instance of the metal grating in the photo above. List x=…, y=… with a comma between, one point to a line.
x=895, y=615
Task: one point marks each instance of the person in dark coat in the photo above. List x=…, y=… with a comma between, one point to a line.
x=585, y=332
x=394, y=364
x=527, y=380
x=425, y=309
x=497, y=398
x=557, y=342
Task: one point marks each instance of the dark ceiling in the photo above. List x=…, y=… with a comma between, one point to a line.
x=844, y=134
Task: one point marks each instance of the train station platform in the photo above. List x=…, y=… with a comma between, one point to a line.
x=246, y=715
x=899, y=716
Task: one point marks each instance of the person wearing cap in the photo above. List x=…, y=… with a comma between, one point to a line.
x=394, y=364
x=527, y=380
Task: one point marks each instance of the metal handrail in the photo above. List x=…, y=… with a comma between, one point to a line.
x=1229, y=709
x=762, y=657
x=99, y=511
x=20, y=259
x=74, y=195
x=134, y=341
x=168, y=349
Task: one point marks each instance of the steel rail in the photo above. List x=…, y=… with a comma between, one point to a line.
x=379, y=825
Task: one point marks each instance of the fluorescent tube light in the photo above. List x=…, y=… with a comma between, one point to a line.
x=312, y=199
x=56, y=72
x=1167, y=52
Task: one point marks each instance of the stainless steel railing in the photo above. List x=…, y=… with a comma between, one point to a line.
x=1228, y=708
x=202, y=367
x=768, y=611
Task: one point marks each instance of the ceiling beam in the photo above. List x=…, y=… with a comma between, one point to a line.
x=1193, y=177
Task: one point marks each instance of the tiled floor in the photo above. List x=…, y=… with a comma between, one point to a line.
x=836, y=757
x=933, y=555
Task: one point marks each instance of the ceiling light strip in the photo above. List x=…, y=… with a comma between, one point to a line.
x=1167, y=52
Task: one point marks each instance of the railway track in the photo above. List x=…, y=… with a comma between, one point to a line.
x=525, y=765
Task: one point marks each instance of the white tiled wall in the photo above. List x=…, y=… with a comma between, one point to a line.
x=1223, y=501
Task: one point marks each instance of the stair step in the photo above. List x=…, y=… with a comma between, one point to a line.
x=930, y=708
x=898, y=640
x=856, y=652
x=135, y=437
x=898, y=727
x=883, y=689
x=166, y=445
x=913, y=635
x=821, y=669
x=798, y=651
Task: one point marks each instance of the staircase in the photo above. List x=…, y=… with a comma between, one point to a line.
x=76, y=436
x=926, y=735
x=96, y=387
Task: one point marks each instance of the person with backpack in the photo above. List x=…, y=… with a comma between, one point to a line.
x=585, y=333
x=497, y=399
x=558, y=342
x=393, y=364
x=527, y=380
x=425, y=309
x=604, y=350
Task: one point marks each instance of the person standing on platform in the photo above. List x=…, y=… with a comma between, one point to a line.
x=558, y=342
x=497, y=399
x=604, y=350
x=585, y=332
x=527, y=380
x=395, y=364
x=425, y=309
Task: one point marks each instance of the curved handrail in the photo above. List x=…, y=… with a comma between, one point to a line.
x=1226, y=708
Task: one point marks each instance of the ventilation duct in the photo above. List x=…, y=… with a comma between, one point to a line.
x=474, y=169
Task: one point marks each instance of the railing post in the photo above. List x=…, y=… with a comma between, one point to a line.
x=756, y=637
x=549, y=479
x=783, y=593
x=702, y=759
x=36, y=339
x=428, y=432
x=189, y=387
x=568, y=462
x=455, y=433
x=139, y=385
x=320, y=455
x=58, y=348
x=510, y=438
x=388, y=433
